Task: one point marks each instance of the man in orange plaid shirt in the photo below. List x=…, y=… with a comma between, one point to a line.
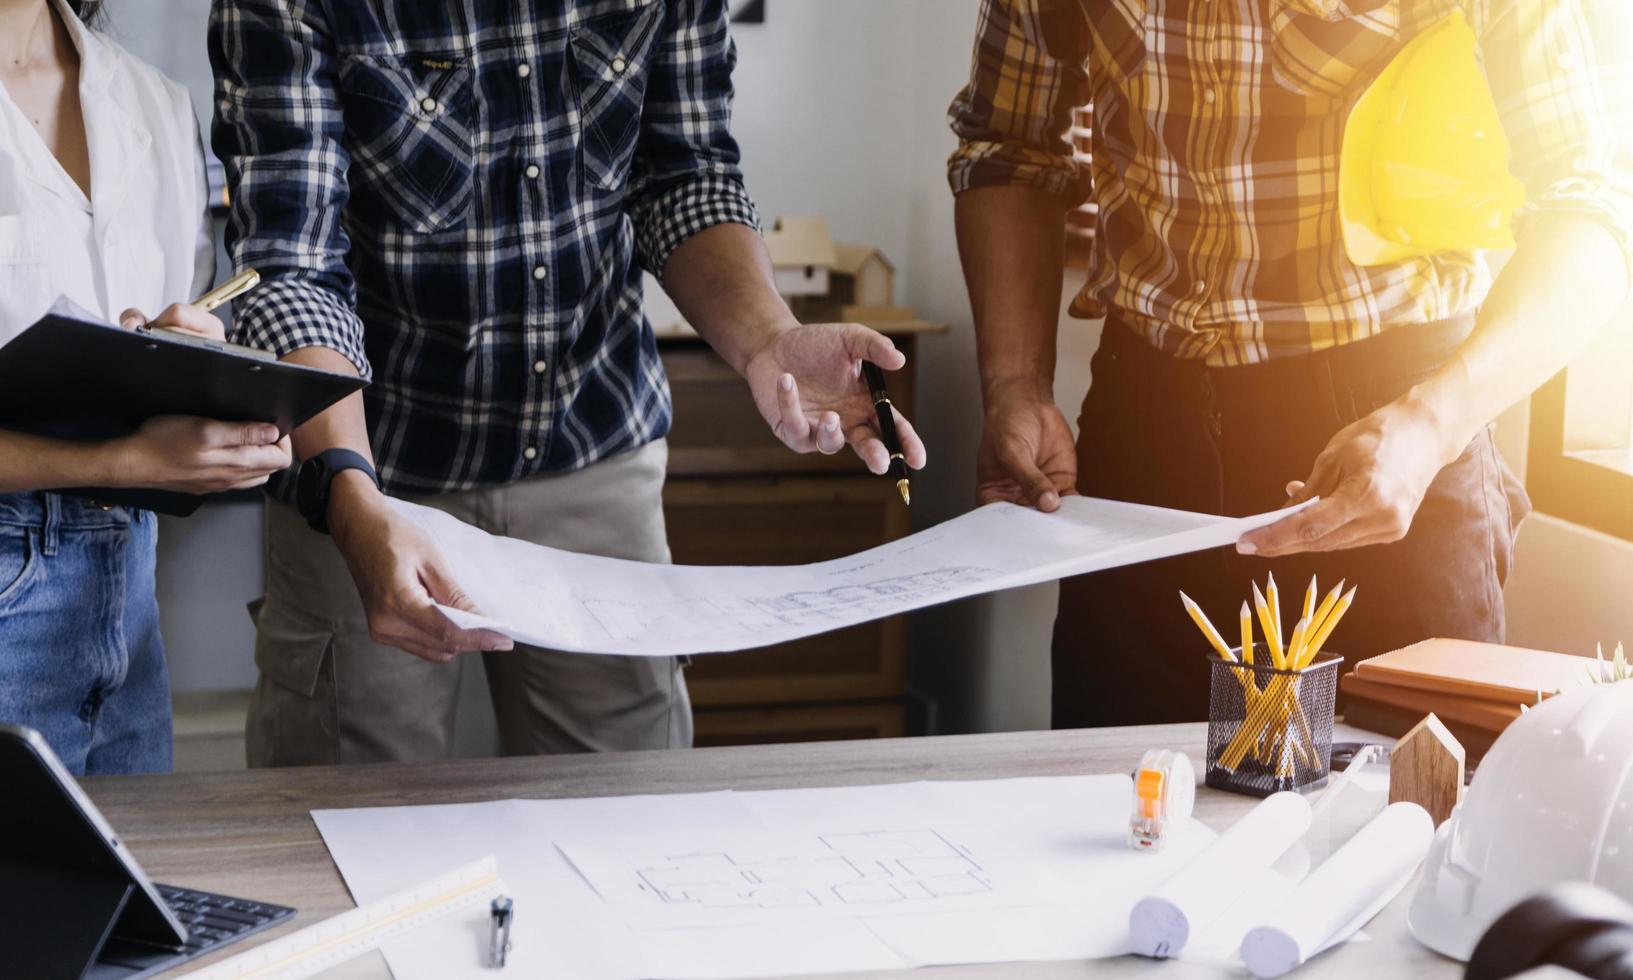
x=1245, y=359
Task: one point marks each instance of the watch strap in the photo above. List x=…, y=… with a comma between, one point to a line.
x=326, y=466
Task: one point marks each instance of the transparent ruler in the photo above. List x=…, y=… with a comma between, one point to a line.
x=310, y=951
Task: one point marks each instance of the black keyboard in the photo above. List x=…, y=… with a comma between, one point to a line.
x=212, y=921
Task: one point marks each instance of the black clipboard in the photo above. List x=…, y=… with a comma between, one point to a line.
x=72, y=377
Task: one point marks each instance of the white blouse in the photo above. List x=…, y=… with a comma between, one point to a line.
x=142, y=239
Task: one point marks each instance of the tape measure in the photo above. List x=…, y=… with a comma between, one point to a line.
x=333, y=941
x=1164, y=795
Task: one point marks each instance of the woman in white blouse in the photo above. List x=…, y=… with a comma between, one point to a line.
x=102, y=200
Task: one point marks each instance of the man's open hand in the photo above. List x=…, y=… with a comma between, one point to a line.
x=807, y=384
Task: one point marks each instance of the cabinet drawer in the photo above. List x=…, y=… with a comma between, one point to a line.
x=718, y=430
x=815, y=723
x=786, y=522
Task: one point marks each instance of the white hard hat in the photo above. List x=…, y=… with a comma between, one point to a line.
x=1552, y=801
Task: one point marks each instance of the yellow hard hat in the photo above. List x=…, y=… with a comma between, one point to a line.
x=1424, y=163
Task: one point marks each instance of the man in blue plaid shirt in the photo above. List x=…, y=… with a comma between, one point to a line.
x=458, y=201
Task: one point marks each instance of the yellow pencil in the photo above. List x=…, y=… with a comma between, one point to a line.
x=1327, y=626
x=1331, y=600
x=1295, y=646
x=1270, y=637
x=1272, y=596
x=1309, y=601
x=1247, y=633
x=1201, y=620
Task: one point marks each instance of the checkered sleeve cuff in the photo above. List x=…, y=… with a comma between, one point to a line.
x=685, y=209
x=287, y=313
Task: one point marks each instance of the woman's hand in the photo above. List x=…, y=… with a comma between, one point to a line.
x=181, y=317
x=194, y=455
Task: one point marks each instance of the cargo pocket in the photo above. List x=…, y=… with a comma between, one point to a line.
x=291, y=652
x=24, y=290
x=612, y=53
x=294, y=716
x=409, y=122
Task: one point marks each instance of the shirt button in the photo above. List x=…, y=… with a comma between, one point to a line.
x=530, y=453
x=1208, y=96
x=523, y=70
x=619, y=66
x=532, y=171
x=1199, y=287
x=428, y=104
x=539, y=272
x=540, y=366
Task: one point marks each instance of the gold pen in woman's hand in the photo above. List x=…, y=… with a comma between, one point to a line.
x=886, y=413
x=228, y=291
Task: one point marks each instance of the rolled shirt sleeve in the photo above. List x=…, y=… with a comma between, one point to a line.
x=1029, y=72
x=278, y=129
x=687, y=175
x=1561, y=72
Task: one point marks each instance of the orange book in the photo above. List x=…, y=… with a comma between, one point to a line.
x=1493, y=716
x=1477, y=670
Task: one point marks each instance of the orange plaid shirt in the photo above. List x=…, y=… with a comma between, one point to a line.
x=1217, y=126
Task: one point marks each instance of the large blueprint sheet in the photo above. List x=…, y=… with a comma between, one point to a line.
x=588, y=604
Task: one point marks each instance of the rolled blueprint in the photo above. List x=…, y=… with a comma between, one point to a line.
x=1343, y=893
x=1181, y=907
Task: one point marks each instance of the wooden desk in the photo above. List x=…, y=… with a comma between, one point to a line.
x=249, y=833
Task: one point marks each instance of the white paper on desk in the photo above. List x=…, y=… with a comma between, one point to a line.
x=589, y=604
x=1073, y=827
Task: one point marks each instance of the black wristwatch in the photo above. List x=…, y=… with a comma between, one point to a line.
x=316, y=474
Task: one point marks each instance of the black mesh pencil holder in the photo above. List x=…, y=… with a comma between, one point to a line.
x=1270, y=730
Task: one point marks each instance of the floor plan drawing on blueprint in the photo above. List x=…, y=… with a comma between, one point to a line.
x=783, y=876
x=888, y=867
x=837, y=606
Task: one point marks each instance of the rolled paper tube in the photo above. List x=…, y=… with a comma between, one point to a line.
x=1341, y=895
x=1164, y=921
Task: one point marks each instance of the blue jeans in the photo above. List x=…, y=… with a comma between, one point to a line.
x=81, y=659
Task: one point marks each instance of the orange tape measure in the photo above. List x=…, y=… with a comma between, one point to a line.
x=1164, y=795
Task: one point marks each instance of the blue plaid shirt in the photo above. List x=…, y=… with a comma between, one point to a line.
x=461, y=198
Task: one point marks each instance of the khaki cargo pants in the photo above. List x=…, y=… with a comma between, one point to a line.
x=329, y=694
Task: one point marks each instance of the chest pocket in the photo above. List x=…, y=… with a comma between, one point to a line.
x=1334, y=48
x=611, y=59
x=1119, y=34
x=24, y=292
x=409, y=121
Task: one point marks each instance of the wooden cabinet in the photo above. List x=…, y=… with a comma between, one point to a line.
x=737, y=496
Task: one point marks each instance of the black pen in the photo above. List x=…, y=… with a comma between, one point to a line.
x=887, y=427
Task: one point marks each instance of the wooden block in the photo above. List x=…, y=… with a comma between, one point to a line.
x=1426, y=768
